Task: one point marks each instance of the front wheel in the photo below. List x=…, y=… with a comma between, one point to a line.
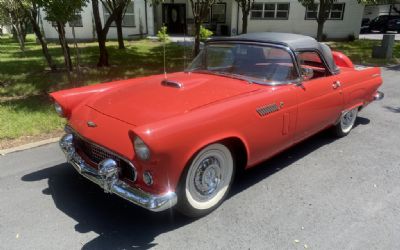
x=346, y=122
x=206, y=181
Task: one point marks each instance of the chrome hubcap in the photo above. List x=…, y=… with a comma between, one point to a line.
x=348, y=120
x=207, y=177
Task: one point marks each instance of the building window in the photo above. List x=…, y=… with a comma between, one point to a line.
x=129, y=18
x=270, y=11
x=218, y=13
x=76, y=21
x=336, y=11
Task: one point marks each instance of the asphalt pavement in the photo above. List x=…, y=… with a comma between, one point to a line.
x=324, y=193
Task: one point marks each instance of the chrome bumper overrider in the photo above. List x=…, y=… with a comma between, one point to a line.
x=107, y=178
x=378, y=96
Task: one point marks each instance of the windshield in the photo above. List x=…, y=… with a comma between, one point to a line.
x=255, y=63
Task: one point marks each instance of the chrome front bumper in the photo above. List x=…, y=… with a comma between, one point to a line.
x=107, y=178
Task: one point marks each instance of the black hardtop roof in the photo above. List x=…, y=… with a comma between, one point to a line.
x=294, y=41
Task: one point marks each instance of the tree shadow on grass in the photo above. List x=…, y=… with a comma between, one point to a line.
x=36, y=103
x=27, y=74
x=121, y=225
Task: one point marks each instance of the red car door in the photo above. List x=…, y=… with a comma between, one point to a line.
x=320, y=99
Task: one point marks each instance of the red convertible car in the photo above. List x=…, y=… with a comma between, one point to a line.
x=178, y=140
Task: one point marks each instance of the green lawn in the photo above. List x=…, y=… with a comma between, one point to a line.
x=25, y=79
x=360, y=52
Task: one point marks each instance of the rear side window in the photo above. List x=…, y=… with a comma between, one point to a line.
x=312, y=60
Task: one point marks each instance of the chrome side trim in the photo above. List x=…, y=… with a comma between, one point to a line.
x=106, y=178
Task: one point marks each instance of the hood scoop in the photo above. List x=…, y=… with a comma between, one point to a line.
x=171, y=84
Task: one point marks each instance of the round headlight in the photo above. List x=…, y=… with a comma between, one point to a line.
x=141, y=149
x=58, y=109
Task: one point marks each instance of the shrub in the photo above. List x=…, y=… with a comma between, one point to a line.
x=351, y=38
x=162, y=34
x=205, y=33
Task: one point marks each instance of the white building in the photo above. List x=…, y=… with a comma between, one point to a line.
x=138, y=21
x=225, y=18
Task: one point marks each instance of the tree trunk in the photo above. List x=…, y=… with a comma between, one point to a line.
x=101, y=34
x=244, y=22
x=103, y=59
x=118, y=22
x=17, y=27
x=196, y=49
x=320, y=31
x=64, y=46
x=45, y=50
x=20, y=36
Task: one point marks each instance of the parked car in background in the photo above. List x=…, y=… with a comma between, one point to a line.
x=394, y=25
x=178, y=140
x=365, y=25
x=381, y=23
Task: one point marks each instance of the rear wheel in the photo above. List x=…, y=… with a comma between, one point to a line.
x=207, y=181
x=346, y=122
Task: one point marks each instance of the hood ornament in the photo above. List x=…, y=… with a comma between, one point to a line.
x=91, y=124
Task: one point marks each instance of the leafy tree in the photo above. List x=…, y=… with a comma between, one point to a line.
x=102, y=33
x=200, y=10
x=118, y=7
x=245, y=6
x=12, y=14
x=31, y=9
x=60, y=12
x=324, y=7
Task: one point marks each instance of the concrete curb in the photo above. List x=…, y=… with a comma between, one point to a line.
x=29, y=146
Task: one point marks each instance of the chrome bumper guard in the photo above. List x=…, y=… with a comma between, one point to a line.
x=378, y=96
x=107, y=178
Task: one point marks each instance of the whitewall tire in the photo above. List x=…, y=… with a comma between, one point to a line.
x=346, y=122
x=206, y=181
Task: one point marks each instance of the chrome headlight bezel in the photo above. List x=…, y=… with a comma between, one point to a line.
x=141, y=149
x=59, y=109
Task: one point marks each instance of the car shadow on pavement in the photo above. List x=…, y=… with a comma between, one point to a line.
x=287, y=158
x=121, y=225
x=118, y=223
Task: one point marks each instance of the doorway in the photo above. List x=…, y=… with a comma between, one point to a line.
x=174, y=17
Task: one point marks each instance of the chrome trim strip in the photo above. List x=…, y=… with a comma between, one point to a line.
x=138, y=197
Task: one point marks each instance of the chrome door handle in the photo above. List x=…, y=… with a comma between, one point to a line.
x=336, y=84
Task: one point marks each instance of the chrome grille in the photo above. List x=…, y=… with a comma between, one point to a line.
x=268, y=109
x=96, y=154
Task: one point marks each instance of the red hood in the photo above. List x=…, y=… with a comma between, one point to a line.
x=145, y=100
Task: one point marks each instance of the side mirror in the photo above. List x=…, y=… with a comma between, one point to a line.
x=306, y=74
